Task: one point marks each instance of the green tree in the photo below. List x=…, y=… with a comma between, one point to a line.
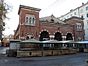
x=3, y=11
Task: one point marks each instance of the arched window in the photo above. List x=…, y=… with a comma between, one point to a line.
x=33, y=21
x=26, y=20
x=30, y=20
x=58, y=36
x=27, y=37
x=44, y=36
x=69, y=36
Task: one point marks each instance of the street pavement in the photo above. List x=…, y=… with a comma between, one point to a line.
x=63, y=60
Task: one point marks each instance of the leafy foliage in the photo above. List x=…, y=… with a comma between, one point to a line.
x=3, y=11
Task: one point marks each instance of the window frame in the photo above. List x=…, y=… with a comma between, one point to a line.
x=86, y=8
x=30, y=21
x=87, y=15
x=78, y=26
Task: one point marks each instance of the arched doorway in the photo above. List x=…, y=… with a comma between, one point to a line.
x=69, y=36
x=58, y=36
x=44, y=36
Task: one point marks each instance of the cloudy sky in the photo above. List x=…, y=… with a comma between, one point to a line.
x=55, y=7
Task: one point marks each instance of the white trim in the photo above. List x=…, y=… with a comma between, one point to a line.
x=39, y=32
x=30, y=20
x=62, y=34
x=69, y=32
x=63, y=37
x=54, y=33
x=58, y=31
x=51, y=36
x=73, y=38
x=44, y=30
x=39, y=36
x=49, y=33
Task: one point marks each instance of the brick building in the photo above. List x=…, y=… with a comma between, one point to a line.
x=46, y=28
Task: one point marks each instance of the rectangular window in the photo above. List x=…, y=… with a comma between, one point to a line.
x=82, y=17
x=87, y=22
x=79, y=27
x=71, y=15
x=86, y=8
x=87, y=15
x=74, y=13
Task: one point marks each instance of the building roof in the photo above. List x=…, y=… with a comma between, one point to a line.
x=28, y=7
x=72, y=18
x=51, y=18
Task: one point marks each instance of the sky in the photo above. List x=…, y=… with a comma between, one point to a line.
x=48, y=7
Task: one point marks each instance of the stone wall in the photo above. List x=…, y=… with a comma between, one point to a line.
x=45, y=52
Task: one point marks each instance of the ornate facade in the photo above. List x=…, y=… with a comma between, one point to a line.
x=46, y=28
